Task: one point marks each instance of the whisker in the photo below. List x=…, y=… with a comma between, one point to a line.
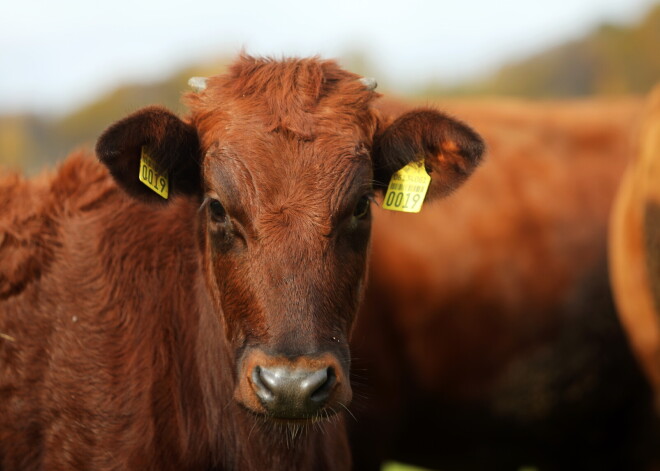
x=347, y=410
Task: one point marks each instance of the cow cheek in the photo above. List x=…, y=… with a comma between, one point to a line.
x=219, y=286
x=240, y=312
x=353, y=290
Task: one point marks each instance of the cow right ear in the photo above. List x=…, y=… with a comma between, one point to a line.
x=449, y=149
x=171, y=144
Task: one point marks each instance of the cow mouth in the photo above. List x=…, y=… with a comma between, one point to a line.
x=324, y=415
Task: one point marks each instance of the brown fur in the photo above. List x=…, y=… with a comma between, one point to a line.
x=635, y=246
x=488, y=338
x=132, y=326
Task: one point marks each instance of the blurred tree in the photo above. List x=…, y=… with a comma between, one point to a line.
x=31, y=143
x=613, y=60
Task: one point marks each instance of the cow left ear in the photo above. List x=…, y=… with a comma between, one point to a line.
x=171, y=144
x=450, y=149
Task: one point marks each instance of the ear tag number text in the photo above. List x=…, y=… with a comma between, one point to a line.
x=152, y=176
x=407, y=189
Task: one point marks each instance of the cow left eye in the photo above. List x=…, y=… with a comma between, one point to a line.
x=217, y=210
x=362, y=207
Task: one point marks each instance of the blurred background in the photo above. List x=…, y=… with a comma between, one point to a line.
x=70, y=68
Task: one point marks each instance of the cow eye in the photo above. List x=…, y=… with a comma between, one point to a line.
x=362, y=207
x=218, y=212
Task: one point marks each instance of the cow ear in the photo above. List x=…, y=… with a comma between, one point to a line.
x=171, y=144
x=449, y=149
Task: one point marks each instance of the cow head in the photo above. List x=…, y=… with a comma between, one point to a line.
x=284, y=159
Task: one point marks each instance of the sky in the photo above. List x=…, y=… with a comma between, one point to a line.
x=56, y=55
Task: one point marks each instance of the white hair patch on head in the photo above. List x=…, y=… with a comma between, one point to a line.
x=198, y=84
x=369, y=83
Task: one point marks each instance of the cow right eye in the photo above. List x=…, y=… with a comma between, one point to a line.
x=361, y=210
x=218, y=212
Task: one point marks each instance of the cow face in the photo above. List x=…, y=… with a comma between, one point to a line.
x=284, y=159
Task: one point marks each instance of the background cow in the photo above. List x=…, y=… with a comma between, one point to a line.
x=209, y=330
x=489, y=339
x=635, y=246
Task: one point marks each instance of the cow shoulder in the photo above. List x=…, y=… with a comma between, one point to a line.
x=34, y=212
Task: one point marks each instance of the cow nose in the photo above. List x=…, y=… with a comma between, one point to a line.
x=293, y=392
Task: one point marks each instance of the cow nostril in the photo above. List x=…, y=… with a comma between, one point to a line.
x=261, y=384
x=327, y=378
x=293, y=392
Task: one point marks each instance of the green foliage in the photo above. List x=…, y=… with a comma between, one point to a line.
x=20, y=139
x=30, y=143
x=392, y=466
x=613, y=60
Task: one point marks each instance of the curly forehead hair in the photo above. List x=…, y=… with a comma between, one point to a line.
x=295, y=95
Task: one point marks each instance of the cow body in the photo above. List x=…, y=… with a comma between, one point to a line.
x=635, y=246
x=107, y=365
x=488, y=335
x=209, y=330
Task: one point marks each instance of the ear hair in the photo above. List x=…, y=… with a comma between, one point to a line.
x=450, y=149
x=172, y=143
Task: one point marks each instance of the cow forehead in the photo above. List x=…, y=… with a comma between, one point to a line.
x=304, y=98
x=278, y=178
x=282, y=152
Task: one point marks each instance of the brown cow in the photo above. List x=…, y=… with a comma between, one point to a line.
x=635, y=247
x=209, y=330
x=488, y=339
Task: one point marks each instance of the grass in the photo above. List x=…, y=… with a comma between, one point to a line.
x=393, y=466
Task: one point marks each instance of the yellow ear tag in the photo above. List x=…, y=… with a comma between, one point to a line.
x=407, y=189
x=152, y=176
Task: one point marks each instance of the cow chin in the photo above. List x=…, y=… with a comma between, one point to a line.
x=302, y=389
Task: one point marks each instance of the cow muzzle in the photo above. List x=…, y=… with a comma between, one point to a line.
x=305, y=387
